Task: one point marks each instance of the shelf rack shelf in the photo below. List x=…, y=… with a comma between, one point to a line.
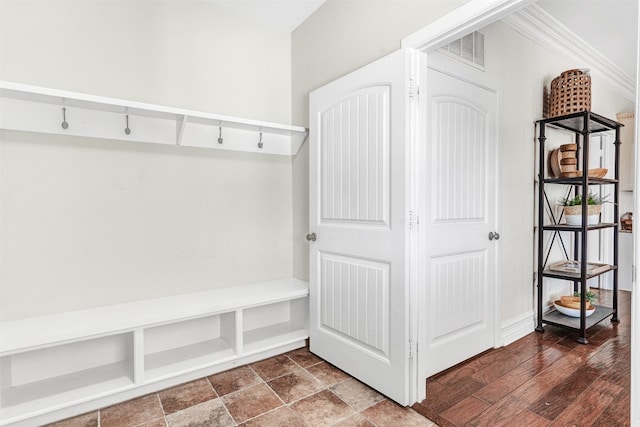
x=582, y=124
x=575, y=276
x=45, y=110
x=558, y=319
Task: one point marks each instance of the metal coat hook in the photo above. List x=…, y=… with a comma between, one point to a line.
x=260, y=144
x=220, y=140
x=65, y=125
x=127, y=130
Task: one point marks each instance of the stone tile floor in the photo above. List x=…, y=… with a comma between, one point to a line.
x=295, y=389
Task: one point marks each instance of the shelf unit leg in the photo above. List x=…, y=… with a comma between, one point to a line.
x=582, y=340
x=539, y=328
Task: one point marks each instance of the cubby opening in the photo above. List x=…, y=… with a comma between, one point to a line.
x=69, y=373
x=188, y=345
x=274, y=324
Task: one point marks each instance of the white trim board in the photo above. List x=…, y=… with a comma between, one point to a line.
x=541, y=27
x=517, y=327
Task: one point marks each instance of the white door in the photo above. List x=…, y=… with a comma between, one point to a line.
x=459, y=213
x=359, y=211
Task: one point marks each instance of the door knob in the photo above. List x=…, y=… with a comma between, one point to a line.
x=311, y=237
x=494, y=235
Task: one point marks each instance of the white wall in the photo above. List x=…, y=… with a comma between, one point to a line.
x=187, y=54
x=341, y=36
x=521, y=69
x=88, y=222
x=323, y=48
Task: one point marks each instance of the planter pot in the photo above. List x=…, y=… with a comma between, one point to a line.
x=573, y=214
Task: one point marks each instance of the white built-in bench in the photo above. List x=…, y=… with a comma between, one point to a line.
x=57, y=366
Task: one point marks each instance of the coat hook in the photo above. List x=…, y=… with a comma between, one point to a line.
x=260, y=144
x=220, y=140
x=127, y=130
x=65, y=125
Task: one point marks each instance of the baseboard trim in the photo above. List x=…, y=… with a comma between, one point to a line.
x=517, y=327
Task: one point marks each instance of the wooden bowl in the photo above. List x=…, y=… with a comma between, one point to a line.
x=572, y=312
x=569, y=147
x=596, y=173
x=554, y=162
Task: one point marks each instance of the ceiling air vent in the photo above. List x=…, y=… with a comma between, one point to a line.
x=469, y=49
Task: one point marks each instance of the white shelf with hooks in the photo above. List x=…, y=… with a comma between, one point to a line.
x=44, y=110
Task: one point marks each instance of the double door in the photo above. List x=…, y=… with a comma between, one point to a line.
x=402, y=200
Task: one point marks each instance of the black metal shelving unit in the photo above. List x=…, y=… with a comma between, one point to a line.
x=582, y=124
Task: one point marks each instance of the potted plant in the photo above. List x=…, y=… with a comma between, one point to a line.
x=590, y=297
x=573, y=208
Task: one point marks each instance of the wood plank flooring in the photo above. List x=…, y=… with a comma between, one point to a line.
x=543, y=379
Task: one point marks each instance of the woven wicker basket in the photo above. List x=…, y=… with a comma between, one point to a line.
x=577, y=210
x=570, y=93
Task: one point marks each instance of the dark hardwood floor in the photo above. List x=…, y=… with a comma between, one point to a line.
x=543, y=379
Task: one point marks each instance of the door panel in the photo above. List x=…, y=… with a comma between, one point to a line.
x=355, y=159
x=355, y=302
x=359, y=207
x=455, y=278
x=461, y=199
x=459, y=178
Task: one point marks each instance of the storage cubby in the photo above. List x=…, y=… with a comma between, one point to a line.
x=267, y=326
x=69, y=363
x=65, y=374
x=188, y=345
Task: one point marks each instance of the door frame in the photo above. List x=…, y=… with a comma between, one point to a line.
x=474, y=15
x=459, y=71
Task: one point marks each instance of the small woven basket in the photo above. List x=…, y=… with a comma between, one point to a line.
x=570, y=93
x=577, y=210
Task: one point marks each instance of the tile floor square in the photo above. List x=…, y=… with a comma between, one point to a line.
x=322, y=409
x=356, y=394
x=132, y=412
x=279, y=417
x=295, y=386
x=304, y=357
x=185, y=395
x=251, y=402
x=210, y=413
x=296, y=389
x=274, y=367
x=327, y=373
x=233, y=380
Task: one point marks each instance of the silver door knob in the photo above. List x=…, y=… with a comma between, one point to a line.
x=311, y=237
x=494, y=235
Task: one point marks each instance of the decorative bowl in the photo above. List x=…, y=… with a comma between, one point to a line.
x=572, y=312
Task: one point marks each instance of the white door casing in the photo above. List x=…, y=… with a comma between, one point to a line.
x=360, y=181
x=460, y=190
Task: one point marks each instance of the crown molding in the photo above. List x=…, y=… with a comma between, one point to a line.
x=541, y=27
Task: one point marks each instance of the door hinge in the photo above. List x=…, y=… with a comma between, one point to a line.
x=413, y=219
x=411, y=349
x=414, y=89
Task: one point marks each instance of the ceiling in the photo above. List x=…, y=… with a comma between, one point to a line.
x=610, y=26
x=284, y=15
